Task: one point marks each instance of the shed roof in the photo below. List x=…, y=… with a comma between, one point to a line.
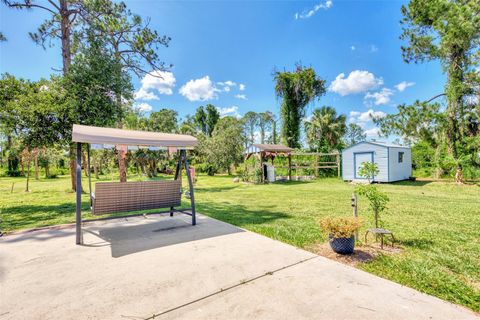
x=259, y=147
x=98, y=135
x=378, y=143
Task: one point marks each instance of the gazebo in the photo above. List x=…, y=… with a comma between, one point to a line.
x=266, y=151
x=110, y=197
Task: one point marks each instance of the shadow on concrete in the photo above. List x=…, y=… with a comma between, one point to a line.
x=41, y=234
x=142, y=234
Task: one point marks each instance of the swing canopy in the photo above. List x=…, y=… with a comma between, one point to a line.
x=113, y=197
x=112, y=136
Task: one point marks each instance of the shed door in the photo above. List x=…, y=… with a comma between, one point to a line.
x=360, y=158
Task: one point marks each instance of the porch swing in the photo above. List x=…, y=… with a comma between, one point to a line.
x=117, y=197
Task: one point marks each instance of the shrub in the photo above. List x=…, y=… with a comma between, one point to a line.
x=340, y=227
x=206, y=168
x=378, y=201
x=258, y=175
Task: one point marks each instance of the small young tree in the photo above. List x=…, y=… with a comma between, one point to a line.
x=368, y=170
x=26, y=157
x=378, y=200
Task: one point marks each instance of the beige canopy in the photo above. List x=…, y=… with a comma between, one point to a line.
x=98, y=135
x=273, y=148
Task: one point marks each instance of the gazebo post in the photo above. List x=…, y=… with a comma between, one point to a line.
x=190, y=184
x=78, y=216
x=289, y=167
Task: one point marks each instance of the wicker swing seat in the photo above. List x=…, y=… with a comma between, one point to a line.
x=113, y=197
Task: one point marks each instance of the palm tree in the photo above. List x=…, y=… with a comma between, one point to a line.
x=325, y=129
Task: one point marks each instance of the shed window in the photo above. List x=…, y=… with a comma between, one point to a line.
x=400, y=157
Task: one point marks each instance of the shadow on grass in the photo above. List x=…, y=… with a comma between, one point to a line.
x=30, y=216
x=213, y=189
x=291, y=183
x=238, y=214
x=416, y=243
x=417, y=183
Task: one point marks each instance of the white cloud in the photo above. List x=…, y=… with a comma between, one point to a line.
x=364, y=119
x=381, y=97
x=370, y=114
x=143, y=94
x=352, y=48
x=374, y=132
x=229, y=111
x=199, y=89
x=373, y=48
x=161, y=81
x=404, y=85
x=230, y=83
x=309, y=13
x=241, y=87
x=227, y=85
x=357, y=81
x=241, y=96
x=143, y=107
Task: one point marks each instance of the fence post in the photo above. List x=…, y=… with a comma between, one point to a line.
x=338, y=164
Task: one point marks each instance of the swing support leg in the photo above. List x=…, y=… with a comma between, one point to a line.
x=78, y=216
x=190, y=184
x=177, y=173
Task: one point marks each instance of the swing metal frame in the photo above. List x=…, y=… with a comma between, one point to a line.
x=108, y=135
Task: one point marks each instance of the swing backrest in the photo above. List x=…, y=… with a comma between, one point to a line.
x=111, y=197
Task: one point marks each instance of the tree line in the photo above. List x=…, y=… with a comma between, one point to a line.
x=103, y=45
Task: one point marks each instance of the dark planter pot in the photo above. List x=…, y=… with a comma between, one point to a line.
x=342, y=245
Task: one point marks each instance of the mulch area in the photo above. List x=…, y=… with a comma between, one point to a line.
x=362, y=254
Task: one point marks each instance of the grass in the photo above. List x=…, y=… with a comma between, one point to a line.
x=437, y=223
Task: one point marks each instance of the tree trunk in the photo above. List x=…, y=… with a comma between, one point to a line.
x=28, y=176
x=47, y=170
x=455, y=110
x=122, y=168
x=65, y=35
x=274, y=132
x=85, y=164
x=37, y=169
x=95, y=166
x=459, y=175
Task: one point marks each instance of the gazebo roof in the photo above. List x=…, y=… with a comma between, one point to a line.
x=270, y=148
x=99, y=135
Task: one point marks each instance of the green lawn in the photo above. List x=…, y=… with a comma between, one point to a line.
x=437, y=223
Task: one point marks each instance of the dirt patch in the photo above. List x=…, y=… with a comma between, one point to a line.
x=362, y=254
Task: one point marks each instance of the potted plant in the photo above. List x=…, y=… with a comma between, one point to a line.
x=341, y=232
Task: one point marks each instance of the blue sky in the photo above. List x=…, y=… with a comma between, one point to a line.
x=224, y=53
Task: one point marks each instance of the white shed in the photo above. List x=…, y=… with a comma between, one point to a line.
x=394, y=161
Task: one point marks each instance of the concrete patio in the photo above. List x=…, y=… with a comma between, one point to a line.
x=164, y=268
